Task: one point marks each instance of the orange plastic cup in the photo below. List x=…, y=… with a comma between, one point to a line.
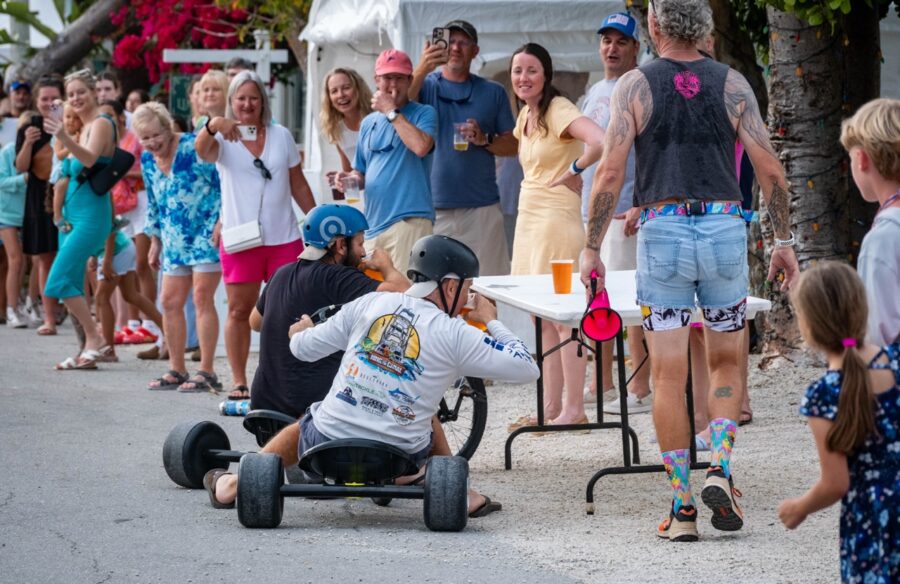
x=562, y=275
x=374, y=274
x=476, y=323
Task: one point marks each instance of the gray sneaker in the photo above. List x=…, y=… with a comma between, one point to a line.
x=635, y=405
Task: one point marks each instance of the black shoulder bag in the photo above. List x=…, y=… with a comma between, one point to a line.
x=102, y=177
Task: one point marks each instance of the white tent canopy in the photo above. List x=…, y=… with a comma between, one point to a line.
x=351, y=33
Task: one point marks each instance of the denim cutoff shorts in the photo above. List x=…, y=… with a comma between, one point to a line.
x=688, y=261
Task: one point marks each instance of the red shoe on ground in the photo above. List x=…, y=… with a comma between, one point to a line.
x=121, y=335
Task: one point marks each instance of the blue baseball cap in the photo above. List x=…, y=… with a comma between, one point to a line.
x=622, y=22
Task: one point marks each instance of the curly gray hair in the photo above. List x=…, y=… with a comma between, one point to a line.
x=687, y=20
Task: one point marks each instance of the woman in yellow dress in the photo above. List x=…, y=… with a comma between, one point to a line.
x=556, y=142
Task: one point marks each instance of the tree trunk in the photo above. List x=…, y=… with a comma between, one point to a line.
x=75, y=42
x=862, y=83
x=804, y=118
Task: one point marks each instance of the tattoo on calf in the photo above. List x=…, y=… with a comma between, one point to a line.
x=724, y=392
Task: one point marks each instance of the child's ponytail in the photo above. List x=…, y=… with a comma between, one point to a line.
x=855, y=419
x=831, y=301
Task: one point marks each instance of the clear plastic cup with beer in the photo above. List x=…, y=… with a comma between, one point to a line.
x=562, y=275
x=460, y=141
x=351, y=189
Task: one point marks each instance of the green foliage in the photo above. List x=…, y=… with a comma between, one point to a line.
x=280, y=17
x=19, y=11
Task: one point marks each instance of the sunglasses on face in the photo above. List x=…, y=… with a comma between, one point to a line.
x=262, y=169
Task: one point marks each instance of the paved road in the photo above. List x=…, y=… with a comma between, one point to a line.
x=84, y=497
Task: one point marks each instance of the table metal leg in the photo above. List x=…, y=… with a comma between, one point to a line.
x=637, y=468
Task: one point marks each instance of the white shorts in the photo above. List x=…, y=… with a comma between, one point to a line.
x=123, y=262
x=482, y=229
x=137, y=217
x=618, y=252
x=398, y=239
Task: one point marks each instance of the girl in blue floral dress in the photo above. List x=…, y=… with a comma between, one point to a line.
x=854, y=415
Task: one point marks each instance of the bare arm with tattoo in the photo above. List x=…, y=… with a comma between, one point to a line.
x=630, y=107
x=743, y=111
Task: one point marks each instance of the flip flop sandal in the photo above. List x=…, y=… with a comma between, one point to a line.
x=209, y=483
x=242, y=391
x=486, y=508
x=166, y=384
x=201, y=382
x=46, y=330
x=86, y=360
x=107, y=355
x=522, y=421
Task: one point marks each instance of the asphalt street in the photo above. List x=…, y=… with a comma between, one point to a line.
x=84, y=496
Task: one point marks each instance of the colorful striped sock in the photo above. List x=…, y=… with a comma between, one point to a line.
x=722, y=431
x=678, y=468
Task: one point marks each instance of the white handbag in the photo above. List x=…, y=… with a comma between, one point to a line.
x=246, y=235
x=242, y=237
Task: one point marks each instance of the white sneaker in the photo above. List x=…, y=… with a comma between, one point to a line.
x=13, y=320
x=32, y=313
x=635, y=405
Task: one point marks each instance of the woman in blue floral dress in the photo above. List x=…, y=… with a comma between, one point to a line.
x=183, y=199
x=854, y=415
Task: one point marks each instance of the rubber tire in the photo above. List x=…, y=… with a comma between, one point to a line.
x=259, y=499
x=479, y=420
x=446, y=505
x=185, y=448
x=382, y=501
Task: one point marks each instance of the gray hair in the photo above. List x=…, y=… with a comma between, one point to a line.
x=265, y=113
x=147, y=112
x=686, y=20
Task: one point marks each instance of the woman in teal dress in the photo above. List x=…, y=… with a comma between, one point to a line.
x=88, y=213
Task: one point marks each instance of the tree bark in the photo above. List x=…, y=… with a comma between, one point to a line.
x=75, y=42
x=804, y=118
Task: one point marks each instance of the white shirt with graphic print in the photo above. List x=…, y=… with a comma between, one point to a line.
x=400, y=356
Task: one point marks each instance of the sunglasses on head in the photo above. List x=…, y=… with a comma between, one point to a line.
x=262, y=168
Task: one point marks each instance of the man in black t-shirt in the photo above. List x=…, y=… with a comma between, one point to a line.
x=326, y=273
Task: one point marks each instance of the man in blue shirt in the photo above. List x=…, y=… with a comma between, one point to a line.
x=393, y=162
x=464, y=182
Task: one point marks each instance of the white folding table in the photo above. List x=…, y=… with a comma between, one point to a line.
x=535, y=295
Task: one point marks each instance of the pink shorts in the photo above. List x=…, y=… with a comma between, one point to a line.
x=257, y=264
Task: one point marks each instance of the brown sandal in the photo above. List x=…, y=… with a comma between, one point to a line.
x=209, y=483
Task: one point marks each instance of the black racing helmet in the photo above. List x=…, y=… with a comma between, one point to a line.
x=435, y=256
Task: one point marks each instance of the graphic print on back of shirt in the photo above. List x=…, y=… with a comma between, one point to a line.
x=687, y=84
x=392, y=345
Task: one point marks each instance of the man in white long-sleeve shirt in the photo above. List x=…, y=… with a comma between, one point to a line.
x=401, y=352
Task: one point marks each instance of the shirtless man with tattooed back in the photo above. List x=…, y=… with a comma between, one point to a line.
x=683, y=113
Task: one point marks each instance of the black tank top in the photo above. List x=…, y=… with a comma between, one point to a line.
x=687, y=149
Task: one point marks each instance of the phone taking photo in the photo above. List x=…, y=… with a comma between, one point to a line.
x=56, y=112
x=38, y=122
x=441, y=38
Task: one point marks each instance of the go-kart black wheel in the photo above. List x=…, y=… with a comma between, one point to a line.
x=184, y=452
x=382, y=501
x=259, y=499
x=446, y=493
x=463, y=415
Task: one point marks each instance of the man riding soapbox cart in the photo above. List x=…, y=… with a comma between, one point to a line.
x=351, y=468
x=442, y=270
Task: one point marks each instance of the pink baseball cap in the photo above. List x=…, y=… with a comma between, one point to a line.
x=393, y=61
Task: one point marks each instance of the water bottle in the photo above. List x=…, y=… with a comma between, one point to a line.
x=234, y=407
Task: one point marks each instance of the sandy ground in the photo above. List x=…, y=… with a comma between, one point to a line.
x=543, y=528
x=544, y=495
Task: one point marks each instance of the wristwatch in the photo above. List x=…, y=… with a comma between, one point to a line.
x=208, y=129
x=786, y=242
x=392, y=115
x=488, y=139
